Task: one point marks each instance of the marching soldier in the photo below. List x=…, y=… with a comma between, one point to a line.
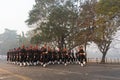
x=44, y=55
x=49, y=55
x=8, y=55
x=59, y=56
x=36, y=55
x=31, y=55
x=72, y=56
x=64, y=56
x=82, y=56
x=17, y=55
x=22, y=55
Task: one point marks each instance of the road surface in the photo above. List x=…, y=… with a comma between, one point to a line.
x=60, y=72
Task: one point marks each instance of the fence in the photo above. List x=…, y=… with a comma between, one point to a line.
x=107, y=60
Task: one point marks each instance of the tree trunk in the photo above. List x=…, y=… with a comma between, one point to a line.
x=103, y=58
x=85, y=46
x=61, y=43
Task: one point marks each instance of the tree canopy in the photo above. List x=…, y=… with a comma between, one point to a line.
x=70, y=23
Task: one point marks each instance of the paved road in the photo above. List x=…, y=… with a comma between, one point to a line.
x=60, y=72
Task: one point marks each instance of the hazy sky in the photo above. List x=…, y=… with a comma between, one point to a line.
x=13, y=14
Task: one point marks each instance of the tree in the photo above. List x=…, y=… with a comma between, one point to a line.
x=59, y=22
x=86, y=22
x=74, y=22
x=8, y=41
x=98, y=22
x=106, y=24
x=41, y=10
x=23, y=40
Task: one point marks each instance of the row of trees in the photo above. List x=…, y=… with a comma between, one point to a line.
x=7, y=41
x=10, y=40
x=70, y=23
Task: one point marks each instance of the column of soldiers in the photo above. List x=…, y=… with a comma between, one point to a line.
x=26, y=56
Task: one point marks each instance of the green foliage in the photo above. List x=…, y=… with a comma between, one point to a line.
x=74, y=22
x=58, y=19
x=22, y=40
x=40, y=11
x=8, y=40
x=106, y=11
x=107, y=18
x=108, y=7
